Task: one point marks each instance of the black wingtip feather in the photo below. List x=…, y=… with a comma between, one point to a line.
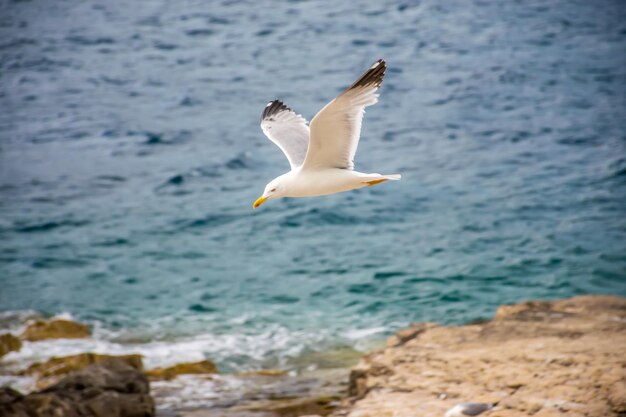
x=273, y=108
x=373, y=76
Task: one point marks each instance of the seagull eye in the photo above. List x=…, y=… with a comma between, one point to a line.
x=272, y=190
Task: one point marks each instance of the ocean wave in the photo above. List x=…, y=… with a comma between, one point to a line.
x=271, y=347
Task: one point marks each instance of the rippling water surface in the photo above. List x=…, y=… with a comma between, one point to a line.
x=130, y=156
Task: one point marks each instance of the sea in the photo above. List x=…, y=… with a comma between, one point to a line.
x=131, y=154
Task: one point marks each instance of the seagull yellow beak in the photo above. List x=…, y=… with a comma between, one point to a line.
x=259, y=201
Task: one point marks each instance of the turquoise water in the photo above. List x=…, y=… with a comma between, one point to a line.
x=130, y=155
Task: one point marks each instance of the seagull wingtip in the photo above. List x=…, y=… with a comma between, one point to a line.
x=272, y=108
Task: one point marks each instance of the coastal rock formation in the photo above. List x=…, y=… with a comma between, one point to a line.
x=9, y=343
x=542, y=358
x=55, y=329
x=264, y=372
x=257, y=394
x=202, y=367
x=112, y=388
x=291, y=407
x=51, y=371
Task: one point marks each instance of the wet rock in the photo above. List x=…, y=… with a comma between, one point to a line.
x=65, y=364
x=403, y=336
x=341, y=357
x=264, y=372
x=112, y=388
x=357, y=385
x=221, y=413
x=55, y=329
x=293, y=407
x=252, y=395
x=52, y=370
x=9, y=343
x=540, y=358
x=202, y=367
x=8, y=395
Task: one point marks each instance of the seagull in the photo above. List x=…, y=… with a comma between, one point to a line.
x=321, y=155
x=468, y=409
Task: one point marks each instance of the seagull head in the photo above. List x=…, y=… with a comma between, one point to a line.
x=274, y=189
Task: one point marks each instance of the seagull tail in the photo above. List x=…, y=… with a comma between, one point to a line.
x=374, y=179
x=394, y=177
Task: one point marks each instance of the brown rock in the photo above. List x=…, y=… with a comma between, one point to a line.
x=53, y=370
x=9, y=343
x=112, y=388
x=65, y=364
x=403, y=336
x=517, y=311
x=357, y=384
x=293, y=407
x=8, y=395
x=340, y=357
x=617, y=397
x=202, y=367
x=264, y=372
x=541, y=358
x=55, y=329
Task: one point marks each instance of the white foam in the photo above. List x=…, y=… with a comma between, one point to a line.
x=64, y=316
x=256, y=347
x=236, y=351
x=364, y=333
x=191, y=391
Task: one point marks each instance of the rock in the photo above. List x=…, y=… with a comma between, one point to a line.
x=112, y=388
x=52, y=370
x=254, y=395
x=113, y=374
x=340, y=357
x=8, y=395
x=405, y=335
x=293, y=407
x=65, y=364
x=357, y=382
x=617, y=398
x=204, y=412
x=264, y=372
x=9, y=343
x=202, y=367
x=541, y=358
x=55, y=329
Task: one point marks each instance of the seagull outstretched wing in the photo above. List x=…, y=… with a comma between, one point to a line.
x=288, y=130
x=336, y=129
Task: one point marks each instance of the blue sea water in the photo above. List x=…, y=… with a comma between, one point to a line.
x=131, y=153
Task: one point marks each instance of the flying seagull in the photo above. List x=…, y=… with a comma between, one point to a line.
x=322, y=155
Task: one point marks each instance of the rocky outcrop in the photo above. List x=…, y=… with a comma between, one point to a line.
x=292, y=407
x=55, y=329
x=202, y=367
x=257, y=394
x=9, y=343
x=264, y=372
x=53, y=370
x=112, y=388
x=542, y=358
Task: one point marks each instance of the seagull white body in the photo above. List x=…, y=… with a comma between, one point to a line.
x=322, y=155
x=312, y=183
x=468, y=409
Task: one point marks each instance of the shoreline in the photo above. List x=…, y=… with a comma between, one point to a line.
x=539, y=358
x=542, y=358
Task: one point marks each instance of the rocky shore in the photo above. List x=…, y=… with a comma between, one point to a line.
x=540, y=358
x=101, y=385
x=112, y=388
